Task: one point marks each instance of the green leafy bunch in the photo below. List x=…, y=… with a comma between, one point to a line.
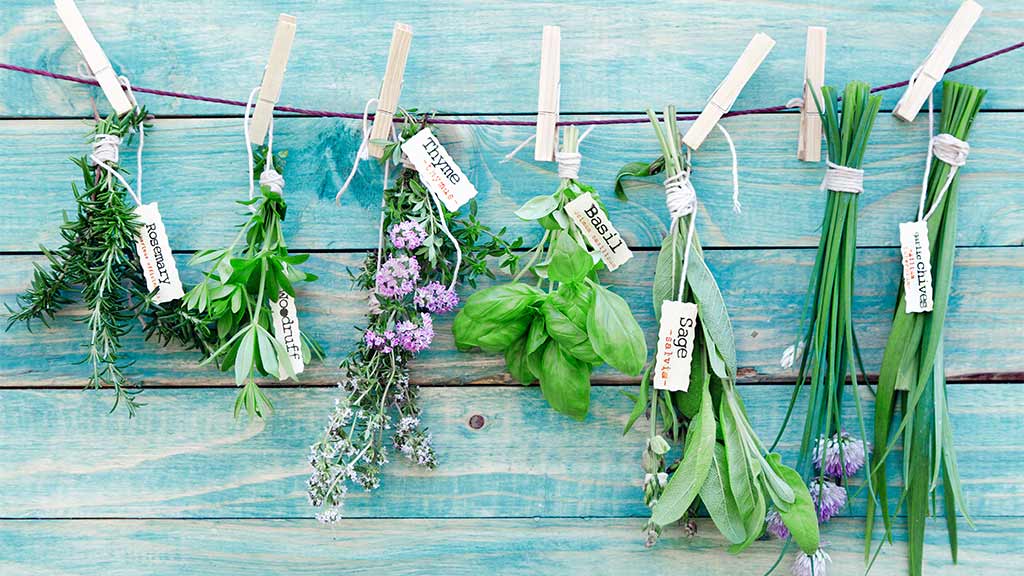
x=566, y=324
x=98, y=265
x=724, y=465
x=237, y=293
x=912, y=377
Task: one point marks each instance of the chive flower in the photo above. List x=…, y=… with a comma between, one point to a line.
x=840, y=456
x=829, y=497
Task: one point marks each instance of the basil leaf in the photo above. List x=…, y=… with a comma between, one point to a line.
x=799, y=516
x=565, y=382
x=615, y=334
x=500, y=303
x=516, y=362
x=537, y=207
x=639, y=402
x=569, y=262
x=718, y=499
x=636, y=170
x=504, y=335
x=537, y=335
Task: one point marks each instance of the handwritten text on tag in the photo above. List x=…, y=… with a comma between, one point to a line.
x=155, y=256
x=675, y=346
x=438, y=172
x=917, y=266
x=286, y=330
x=593, y=222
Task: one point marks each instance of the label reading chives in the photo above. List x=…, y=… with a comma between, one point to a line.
x=286, y=330
x=674, y=349
x=917, y=266
x=438, y=172
x=155, y=256
x=594, y=223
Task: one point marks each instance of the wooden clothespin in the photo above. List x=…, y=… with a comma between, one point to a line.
x=938, y=60
x=94, y=56
x=724, y=97
x=550, y=88
x=809, y=142
x=391, y=88
x=273, y=78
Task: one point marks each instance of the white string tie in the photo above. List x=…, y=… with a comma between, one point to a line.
x=797, y=102
x=106, y=151
x=516, y=150
x=947, y=148
x=736, y=207
x=950, y=149
x=569, y=162
x=362, y=153
x=680, y=197
x=272, y=179
x=843, y=179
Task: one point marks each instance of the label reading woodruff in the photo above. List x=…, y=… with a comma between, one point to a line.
x=286, y=330
x=917, y=266
x=438, y=172
x=594, y=223
x=155, y=256
x=675, y=346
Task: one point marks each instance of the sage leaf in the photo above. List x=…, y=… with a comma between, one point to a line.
x=799, y=516
x=714, y=317
x=615, y=334
x=717, y=497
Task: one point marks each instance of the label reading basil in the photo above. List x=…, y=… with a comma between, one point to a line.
x=438, y=172
x=917, y=266
x=286, y=330
x=674, y=349
x=594, y=223
x=155, y=256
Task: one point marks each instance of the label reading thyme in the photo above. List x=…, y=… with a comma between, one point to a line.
x=438, y=172
x=674, y=350
x=917, y=266
x=286, y=330
x=594, y=223
x=155, y=256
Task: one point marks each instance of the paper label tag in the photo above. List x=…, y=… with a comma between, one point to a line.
x=286, y=330
x=155, y=256
x=675, y=346
x=594, y=223
x=438, y=172
x=917, y=266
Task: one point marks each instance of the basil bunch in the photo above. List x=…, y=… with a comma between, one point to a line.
x=558, y=330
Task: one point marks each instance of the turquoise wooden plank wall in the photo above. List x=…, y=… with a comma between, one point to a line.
x=186, y=489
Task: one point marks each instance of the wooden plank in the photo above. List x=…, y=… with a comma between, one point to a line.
x=185, y=456
x=618, y=56
x=764, y=289
x=457, y=547
x=196, y=170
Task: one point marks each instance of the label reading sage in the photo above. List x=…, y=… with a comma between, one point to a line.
x=594, y=223
x=674, y=349
x=438, y=172
x=286, y=330
x=155, y=256
x=917, y=266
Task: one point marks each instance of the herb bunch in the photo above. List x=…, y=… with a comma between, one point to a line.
x=410, y=281
x=238, y=289
x=98, y=264
x=912, y=377
x=560, y=328
x=724, y=465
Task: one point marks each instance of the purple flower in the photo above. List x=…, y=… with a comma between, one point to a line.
x=397, y=276
x=407, y=235
x=816, y=565
x=844, y=455
x=436, y=298
x=384, y=342
x=775, y=526
x=828, y=497
x=415, y=338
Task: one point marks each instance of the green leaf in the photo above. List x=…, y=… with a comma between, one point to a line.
x=636, y=170
x=667, y=271
x=718, y=499
x=569, y=262
x=639, y=402
x=516, y=358
x=537, y=207
x=243, y=362
x=502, y=302
x=714, y=317
x=685, y=484
x=615, y=334
x=799, y=516
x=537, y=335
x=565, y=382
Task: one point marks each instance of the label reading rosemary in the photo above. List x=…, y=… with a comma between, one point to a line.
x=674, y=349
x=594, y=223
x=438, y=172
x=155, y=256
x=917, y=266
x=286, y=330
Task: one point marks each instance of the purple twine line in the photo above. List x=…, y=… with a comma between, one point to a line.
x=471, y=121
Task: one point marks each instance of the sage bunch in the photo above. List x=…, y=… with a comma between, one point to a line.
x=98, y=266
x=724, y=465
x=239, y=288
x=410, y=281
x=912, y=381
x=557, y=329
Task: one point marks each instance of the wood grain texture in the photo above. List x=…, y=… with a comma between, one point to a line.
x=196, y=170
x=764, y=290
x=185, y=456
x=599, y=546
x=621, y=56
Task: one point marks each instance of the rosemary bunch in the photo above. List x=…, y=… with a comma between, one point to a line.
x=912, y=376
x=724, y=465
x=410, y=281
x=238, y=290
